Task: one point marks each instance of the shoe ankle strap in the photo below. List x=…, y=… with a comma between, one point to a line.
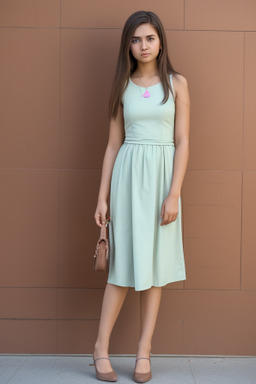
x=98, y=358
x=148, y=358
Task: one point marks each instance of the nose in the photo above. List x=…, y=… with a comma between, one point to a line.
x=144, y=44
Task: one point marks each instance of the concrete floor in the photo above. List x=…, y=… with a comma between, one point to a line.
x=76, y=369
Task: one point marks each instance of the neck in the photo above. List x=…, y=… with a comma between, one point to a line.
x=147, y=69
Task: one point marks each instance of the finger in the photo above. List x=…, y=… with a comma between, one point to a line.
x=97, y=219
x=173, y=218
x=103, y=220
x=165, y=220
x=170, y=219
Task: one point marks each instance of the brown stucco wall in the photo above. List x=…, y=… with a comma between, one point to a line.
x=57, y=62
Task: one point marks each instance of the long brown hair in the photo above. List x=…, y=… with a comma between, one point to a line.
x=127, y=64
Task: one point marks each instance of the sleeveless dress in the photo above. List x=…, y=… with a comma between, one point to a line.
x=142, y=253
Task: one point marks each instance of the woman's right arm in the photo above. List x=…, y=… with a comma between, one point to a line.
x=115, y=140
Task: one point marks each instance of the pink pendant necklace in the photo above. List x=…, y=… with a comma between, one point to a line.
x=146, y=94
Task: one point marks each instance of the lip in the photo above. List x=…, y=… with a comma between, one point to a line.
x=145, y=54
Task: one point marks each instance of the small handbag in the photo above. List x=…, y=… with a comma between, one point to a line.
x=101, y=254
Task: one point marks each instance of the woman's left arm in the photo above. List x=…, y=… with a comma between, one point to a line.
x=169, y=209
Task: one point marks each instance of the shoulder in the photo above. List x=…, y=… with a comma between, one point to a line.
x=179, y=81
x=180, y=84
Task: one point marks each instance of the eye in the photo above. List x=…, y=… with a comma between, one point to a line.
x=151, y=38
x=135, y=41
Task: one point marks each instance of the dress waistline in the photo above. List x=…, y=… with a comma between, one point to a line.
x=149, y=142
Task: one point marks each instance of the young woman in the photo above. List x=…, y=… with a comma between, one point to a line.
x=144, y=167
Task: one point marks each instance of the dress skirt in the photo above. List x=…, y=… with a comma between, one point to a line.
x=142, y=252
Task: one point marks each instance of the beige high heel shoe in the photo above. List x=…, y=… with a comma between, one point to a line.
x=104, y=376
x=142, y=377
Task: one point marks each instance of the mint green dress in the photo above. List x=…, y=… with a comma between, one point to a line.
x=143, y=253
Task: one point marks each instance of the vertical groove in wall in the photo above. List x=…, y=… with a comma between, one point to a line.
x=184, y=14
x=241, y=234
x=243, y=95
x=242, y=181
x=59, y=159
x=182, y=336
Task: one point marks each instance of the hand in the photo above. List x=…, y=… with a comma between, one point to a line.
x=169, y=211
x=100, y=213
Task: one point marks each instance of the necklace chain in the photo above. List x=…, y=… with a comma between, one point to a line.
x=143, y=86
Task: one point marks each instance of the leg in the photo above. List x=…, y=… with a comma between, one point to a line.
x=113, y=299
x=149, y=306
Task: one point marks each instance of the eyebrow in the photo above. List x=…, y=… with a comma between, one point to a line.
x=137, y=37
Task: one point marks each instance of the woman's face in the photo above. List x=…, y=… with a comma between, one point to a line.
x=145, y=43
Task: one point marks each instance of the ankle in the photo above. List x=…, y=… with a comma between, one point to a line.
x=101, y=348
x=143, y=350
